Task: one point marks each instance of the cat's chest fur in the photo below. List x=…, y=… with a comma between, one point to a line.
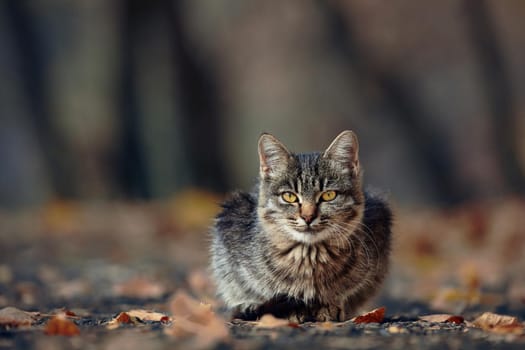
x=312, y=271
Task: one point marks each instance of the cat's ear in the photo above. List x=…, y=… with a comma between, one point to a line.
x=344, y=150
x=273, y=156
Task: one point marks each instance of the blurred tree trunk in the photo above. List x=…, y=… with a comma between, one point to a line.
x=395, y=95
x=32, y=61
x=201, y=105
x=187, y=125
x=499, y=94
x=131, y=169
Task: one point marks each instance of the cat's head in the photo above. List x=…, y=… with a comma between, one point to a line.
x=310, y=197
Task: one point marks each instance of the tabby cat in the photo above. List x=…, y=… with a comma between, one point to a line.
x=308, y=244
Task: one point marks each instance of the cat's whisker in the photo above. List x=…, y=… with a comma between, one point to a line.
x=343, y=228
x=369, y=233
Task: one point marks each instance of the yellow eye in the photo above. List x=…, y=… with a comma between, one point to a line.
x=289, y=197
x=328, y=196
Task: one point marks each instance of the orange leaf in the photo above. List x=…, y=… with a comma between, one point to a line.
x=442, y=318
x=60, y=325
x=123, y=317
x=374, y=316
x=456, y=319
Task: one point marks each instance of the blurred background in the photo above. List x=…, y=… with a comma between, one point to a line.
x=123, y=123
x=103, y=100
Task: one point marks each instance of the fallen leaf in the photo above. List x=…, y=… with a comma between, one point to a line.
x=60, y=325
x=192, y=319
x=66, y=312
x=140, y=287
x=374, y=316
x=13, y=317
x=146, y=315
x=442, y=318
x=456, y=319
x=135, y=317
x=121, y=318
x=270, y=321
x=125, y=318
x=499, y=323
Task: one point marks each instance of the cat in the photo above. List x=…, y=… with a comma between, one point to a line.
x=308, y=244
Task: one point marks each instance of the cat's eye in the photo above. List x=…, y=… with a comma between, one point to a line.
x=289, y=197
x=328, y=196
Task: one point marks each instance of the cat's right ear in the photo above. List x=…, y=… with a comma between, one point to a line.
x=344, y=150
x=273, y=156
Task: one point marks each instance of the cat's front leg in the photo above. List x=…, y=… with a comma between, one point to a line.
x=329, y=313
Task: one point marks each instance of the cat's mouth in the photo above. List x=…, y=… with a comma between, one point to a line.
x=308, y=234
x=309, y=229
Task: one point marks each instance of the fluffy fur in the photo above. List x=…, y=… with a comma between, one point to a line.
x=308, y=260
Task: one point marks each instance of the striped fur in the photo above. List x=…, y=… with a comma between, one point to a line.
x=266, y=259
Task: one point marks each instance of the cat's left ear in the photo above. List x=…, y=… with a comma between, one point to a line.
x=344, y=150
x=273, y=156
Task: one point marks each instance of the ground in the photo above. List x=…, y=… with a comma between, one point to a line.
x=89, y=271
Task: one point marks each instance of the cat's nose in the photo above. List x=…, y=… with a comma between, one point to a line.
x=308, y=218
x=308, y=212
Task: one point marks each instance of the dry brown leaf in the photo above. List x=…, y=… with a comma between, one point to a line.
x=441, y=318
x=499, y=323
x=270, y=321
x=194, y=319
x=60, y=325
x=13, y=317
x=121, y=318
x=374, y=316
x=140, y=287
x=136, y=317
x=146, y=315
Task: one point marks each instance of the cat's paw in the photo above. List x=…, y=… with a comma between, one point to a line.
x=327, y=313
x=247, y=313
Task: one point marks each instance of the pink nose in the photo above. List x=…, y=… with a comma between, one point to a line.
x=308, y=218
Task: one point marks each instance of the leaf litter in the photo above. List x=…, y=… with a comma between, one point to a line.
x=196, y=320
x=459, y=265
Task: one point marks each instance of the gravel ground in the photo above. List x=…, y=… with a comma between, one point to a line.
x=100, y=262
x=408, y=334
